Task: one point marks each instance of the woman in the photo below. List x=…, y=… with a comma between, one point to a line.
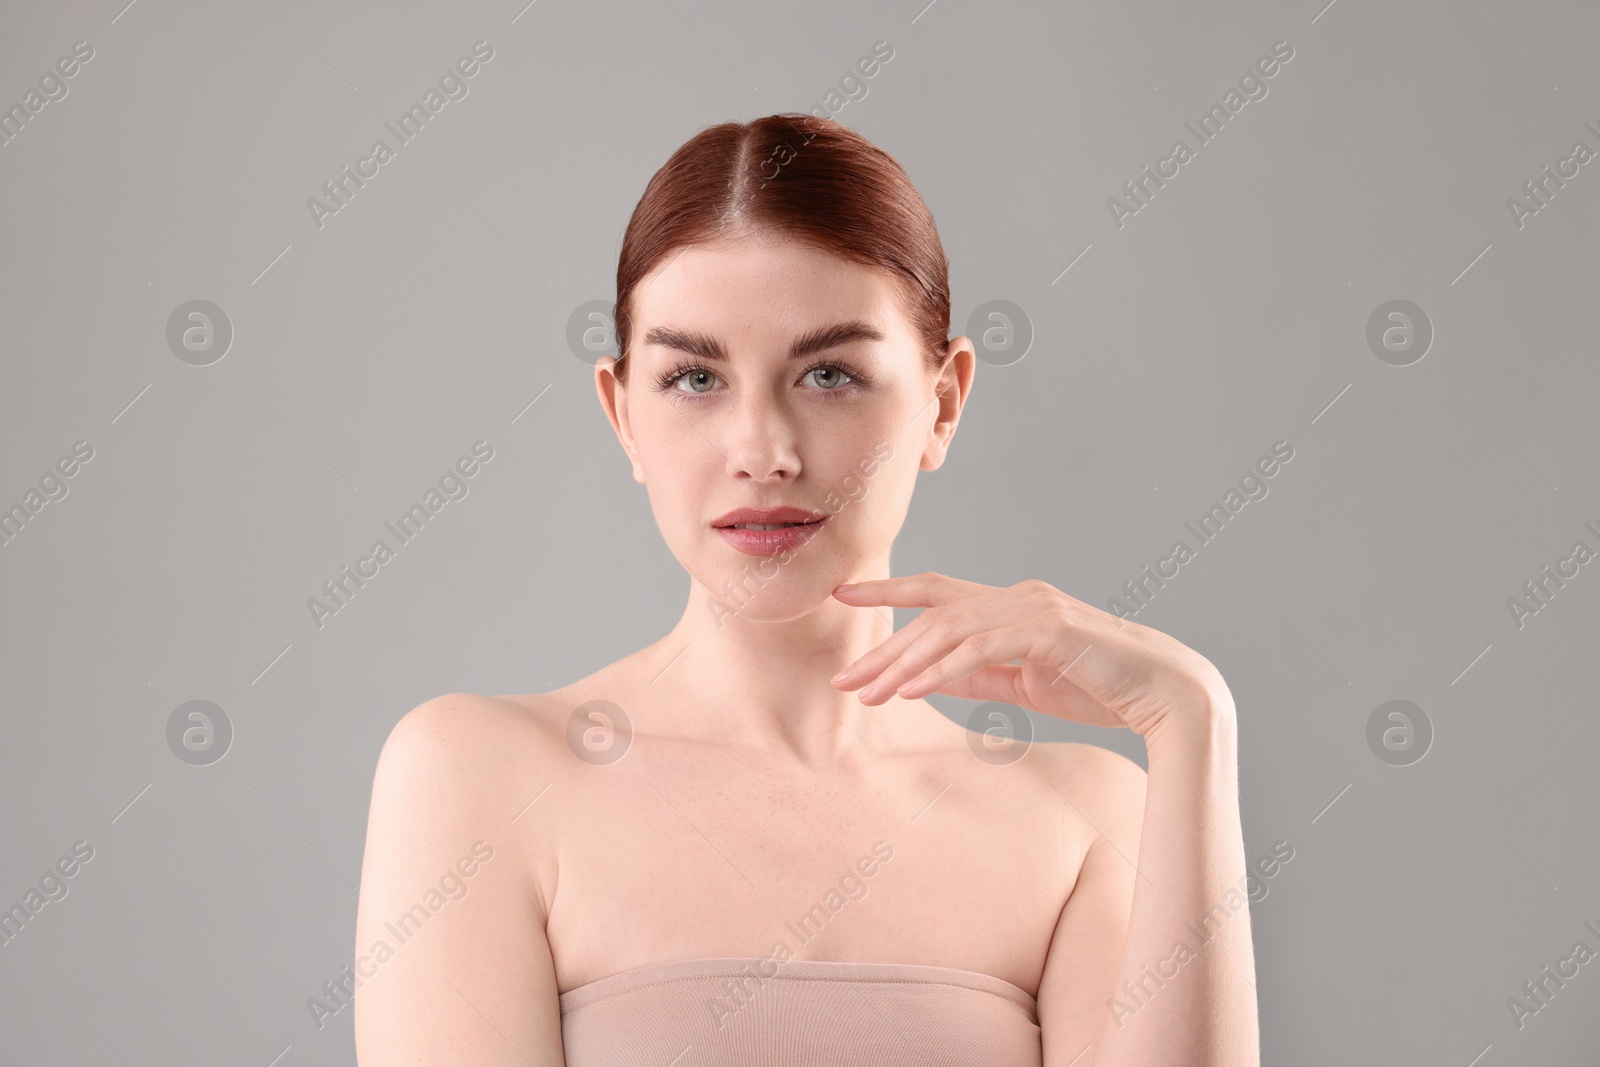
x=754, y=842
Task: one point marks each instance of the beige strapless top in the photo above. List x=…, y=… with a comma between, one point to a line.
x=741, y=1012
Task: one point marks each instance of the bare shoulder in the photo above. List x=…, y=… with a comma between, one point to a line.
x=479, y=743
x=447, y=848
x=1086, y=761
x=459, y=728
x=474, y=715
x=464, y=761
x=1106, y=787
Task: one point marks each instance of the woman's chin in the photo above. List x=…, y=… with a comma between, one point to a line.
x=783, y=599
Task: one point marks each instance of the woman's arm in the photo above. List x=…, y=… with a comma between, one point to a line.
x=1184, y=971
x=450, y=952
x=1183, y=989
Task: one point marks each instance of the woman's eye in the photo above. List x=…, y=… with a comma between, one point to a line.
x=835, y=372
x=694, y=377
x=827, y=377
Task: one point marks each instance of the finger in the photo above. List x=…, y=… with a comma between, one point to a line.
x=932, y=634
x=868, y=673
x=974, y=652
x=928, y=589
x=1005, y=684
x=1001, y=682
x=996, y=642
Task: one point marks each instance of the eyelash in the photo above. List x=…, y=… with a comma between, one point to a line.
x=668, y=381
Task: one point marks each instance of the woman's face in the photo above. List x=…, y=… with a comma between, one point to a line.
x=767, y=374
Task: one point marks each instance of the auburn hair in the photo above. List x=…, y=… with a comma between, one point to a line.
x=796, y=176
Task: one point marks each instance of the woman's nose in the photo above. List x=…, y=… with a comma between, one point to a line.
x=760, y=440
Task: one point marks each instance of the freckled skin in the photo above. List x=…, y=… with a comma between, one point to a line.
x=688, y=847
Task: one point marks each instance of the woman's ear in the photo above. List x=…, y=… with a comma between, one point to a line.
x=614, y=401
x=952, y=386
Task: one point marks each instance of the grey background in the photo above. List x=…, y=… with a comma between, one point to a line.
x=368, y=356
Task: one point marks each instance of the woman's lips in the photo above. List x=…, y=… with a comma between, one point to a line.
x=769, y=542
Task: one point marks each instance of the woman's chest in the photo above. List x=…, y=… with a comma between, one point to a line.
x=951, y=866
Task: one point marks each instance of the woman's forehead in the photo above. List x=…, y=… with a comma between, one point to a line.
x=786, y=290
x=780, y=266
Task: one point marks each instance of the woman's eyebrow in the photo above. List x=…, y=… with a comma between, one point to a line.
x=709, y=348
